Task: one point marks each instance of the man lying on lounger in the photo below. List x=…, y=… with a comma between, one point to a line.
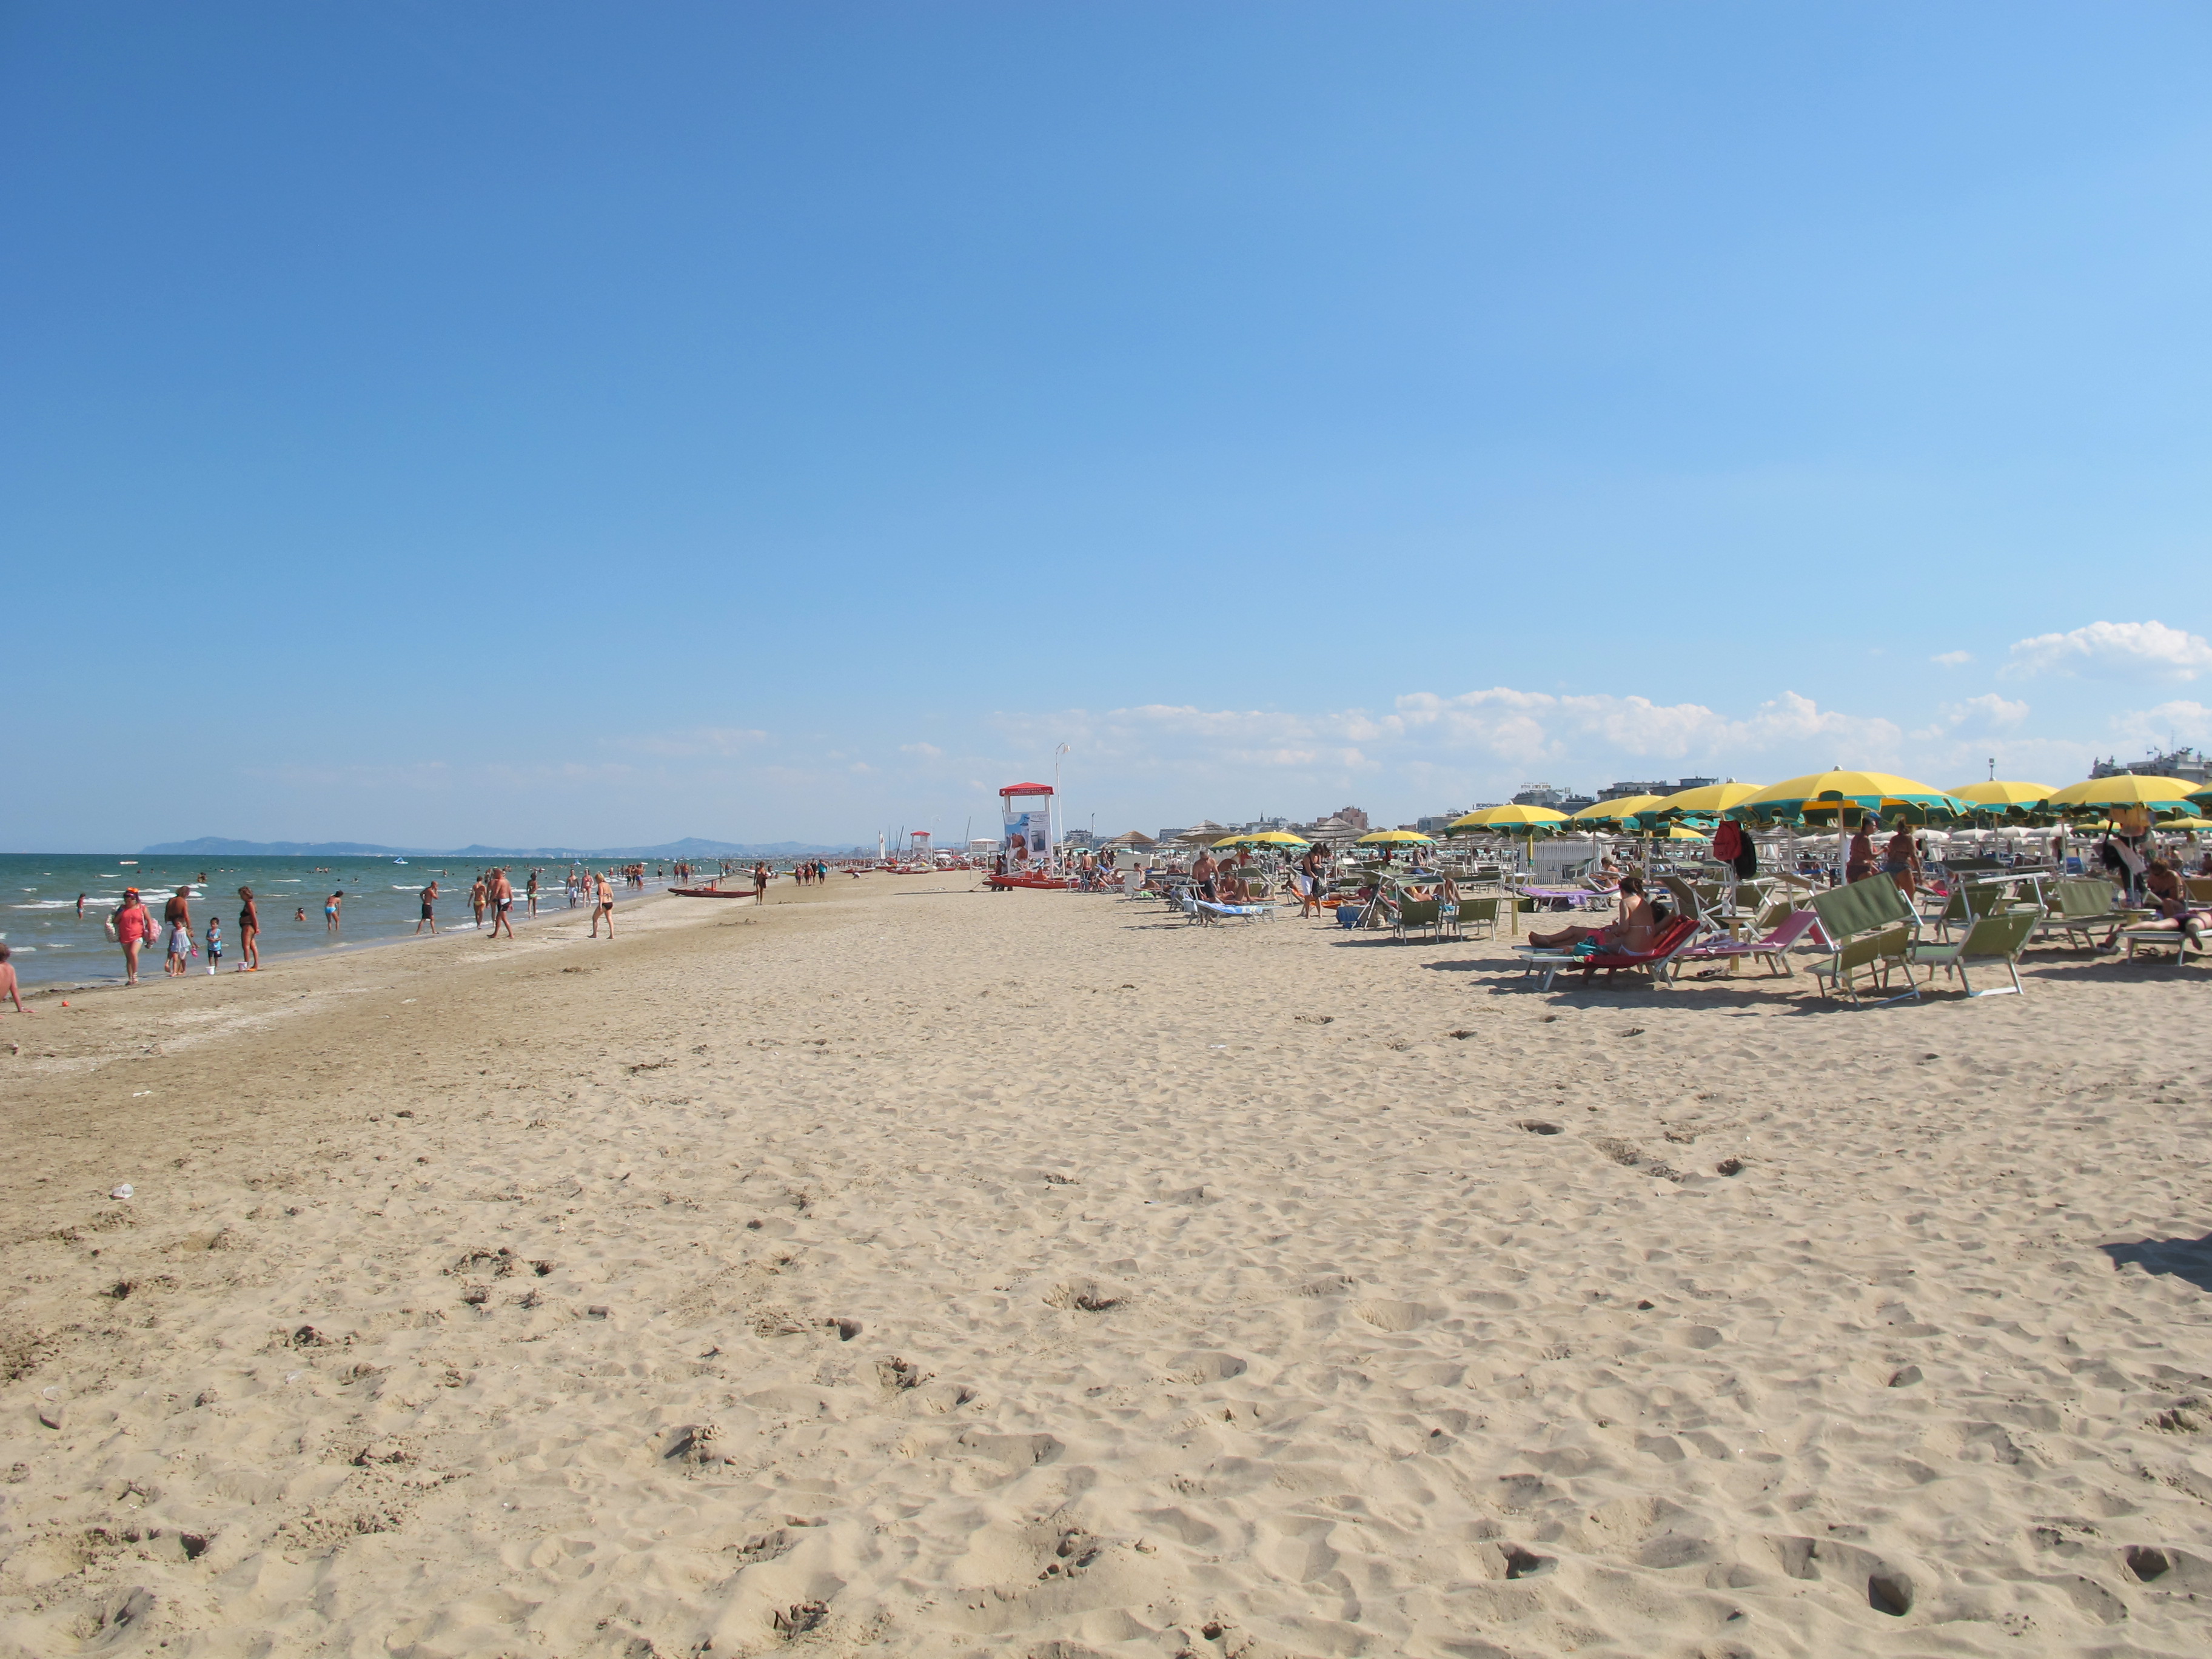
x=1632, y=930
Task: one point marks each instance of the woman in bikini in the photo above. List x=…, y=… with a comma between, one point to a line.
x=1633, y=929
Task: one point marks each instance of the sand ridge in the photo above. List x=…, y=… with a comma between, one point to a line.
x=948, y=1273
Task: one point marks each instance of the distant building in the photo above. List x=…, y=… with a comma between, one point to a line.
x=1439, y=823
x=1167, y=835
x=1332, y=830
x=2187, y=764
x=1653, y=786
x=1078, y=838
x=1540, y=794
x=1352, y=815
x=1571, y=805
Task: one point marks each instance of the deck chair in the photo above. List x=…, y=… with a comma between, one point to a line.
x=1794, y=926
x=2200, y=889
x=1212, y=915
x=1689, y=901
x=1414, y=914
x=2147, y=938
x=2084, y=906
x=1469, y=911
x=1674, y=936
x=1997, y=938
x=1872, y=926
x=1971, y=901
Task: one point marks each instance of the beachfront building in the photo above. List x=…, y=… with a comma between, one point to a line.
x=2185, y=764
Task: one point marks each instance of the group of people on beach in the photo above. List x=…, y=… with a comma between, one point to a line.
x=134, y=929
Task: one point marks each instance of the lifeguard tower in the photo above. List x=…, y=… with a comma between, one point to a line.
x=1026, y=810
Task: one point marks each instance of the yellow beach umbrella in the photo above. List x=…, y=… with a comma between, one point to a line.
x=2001, y=796
x=1617, y=811
x=2158, y=795
x=1394, y=838
x=1706, y=800
x=1880, y=793
x=1521, y=820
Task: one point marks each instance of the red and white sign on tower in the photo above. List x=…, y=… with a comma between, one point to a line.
x=1026, y=809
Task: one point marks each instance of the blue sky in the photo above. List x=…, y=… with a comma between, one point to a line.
x=542, y=422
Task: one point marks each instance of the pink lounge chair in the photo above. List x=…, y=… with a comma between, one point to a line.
x=1774, y=947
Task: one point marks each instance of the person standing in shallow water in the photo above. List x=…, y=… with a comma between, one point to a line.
x=477, y=895
x=430, y=916
x=330, y=912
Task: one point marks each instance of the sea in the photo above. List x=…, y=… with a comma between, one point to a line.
x=50, y=942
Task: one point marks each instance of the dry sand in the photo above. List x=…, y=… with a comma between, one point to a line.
x=902, y=1270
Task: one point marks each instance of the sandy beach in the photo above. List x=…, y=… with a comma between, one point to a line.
x=899, y=1268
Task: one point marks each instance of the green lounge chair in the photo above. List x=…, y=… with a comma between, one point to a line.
x=1998, y=937
x=1473, y=913
x=2085, y=905
x=1872, y=926
x=1414, y=914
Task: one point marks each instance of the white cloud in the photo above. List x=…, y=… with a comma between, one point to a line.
x=1952, y=659
x=1988, y=712
x=1534, y=725
x=2144, y=650
x=925, y=750
x=2185, y=723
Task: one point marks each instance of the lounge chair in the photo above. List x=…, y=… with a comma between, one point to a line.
x=1997, y=937
x=2145, y=936
x=2084, y=906
x=1674, y=936
x=1467, y=912
x=1971, y=901
x=1792, y=927
x=1209, y=914
x=1412, y=914
x=1872, y=926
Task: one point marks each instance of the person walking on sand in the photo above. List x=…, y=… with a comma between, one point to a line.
x=330, y=912
x=603, y=905
x=476, y=900
x=502, y=901
x=133, y=926
x=7, y=986
x=430, y=916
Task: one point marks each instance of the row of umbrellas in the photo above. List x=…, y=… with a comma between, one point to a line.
x=1827, y=800
x=1831, y=798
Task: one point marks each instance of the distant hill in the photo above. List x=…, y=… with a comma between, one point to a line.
x=691, y=847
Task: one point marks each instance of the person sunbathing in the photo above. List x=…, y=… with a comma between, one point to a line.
x=2169, y=896
x=1632, y=932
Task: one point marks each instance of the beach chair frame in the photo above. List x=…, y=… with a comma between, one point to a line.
x=1873, y=926
x=2000, y=937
